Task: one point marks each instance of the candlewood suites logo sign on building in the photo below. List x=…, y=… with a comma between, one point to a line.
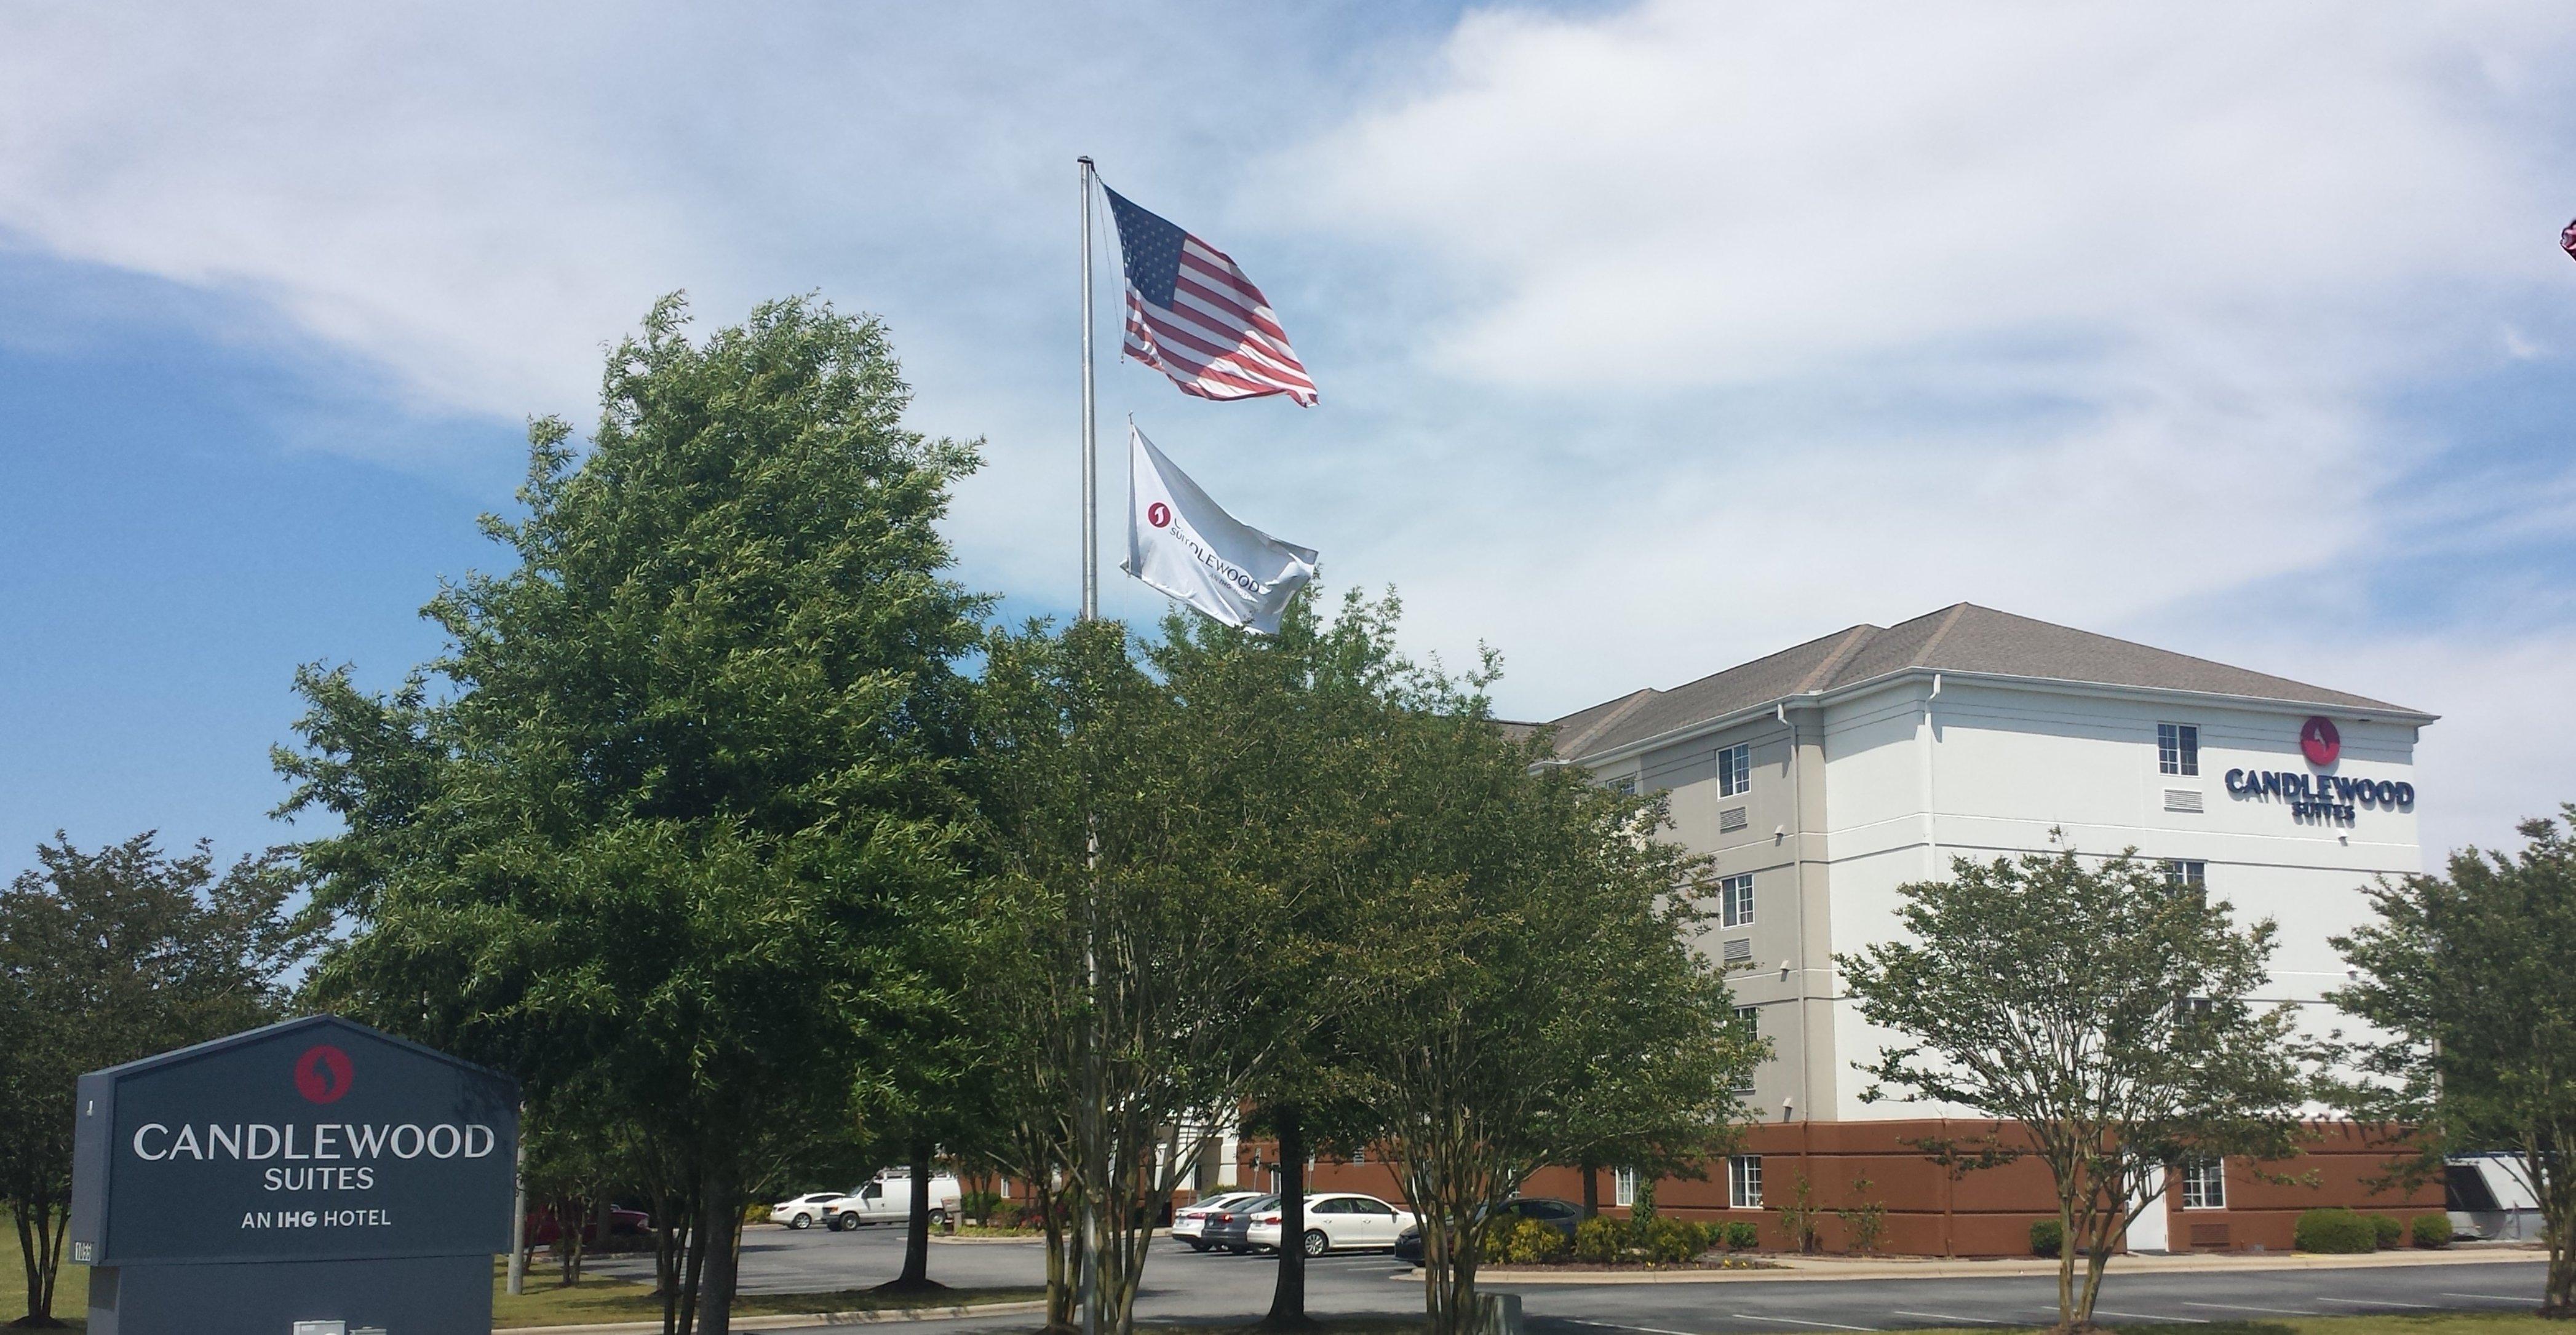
x=2328, y=798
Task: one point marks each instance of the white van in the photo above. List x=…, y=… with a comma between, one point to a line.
x=887, y=1199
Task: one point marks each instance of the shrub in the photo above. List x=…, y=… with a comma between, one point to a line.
x=1743, y=1236
x=1534, y=1243
x=2335, y=1229
x=979, y=1205
x=2047, y=1238
x=2385, y=1232
x=1494, y=1240
x=1671, y=1241
x=2432, y=1230
x=1599, y=1239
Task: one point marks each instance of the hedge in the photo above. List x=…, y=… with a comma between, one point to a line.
x=2335, y=1230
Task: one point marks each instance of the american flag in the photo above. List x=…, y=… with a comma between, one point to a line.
x=1195, y=317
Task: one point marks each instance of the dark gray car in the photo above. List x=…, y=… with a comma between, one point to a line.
x=1560, y=1215
x=1230, y=1230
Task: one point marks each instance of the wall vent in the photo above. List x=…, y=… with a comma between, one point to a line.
x=1732, y=818
x=1737, y=951
x=2209, y=1235
x=2182, y=799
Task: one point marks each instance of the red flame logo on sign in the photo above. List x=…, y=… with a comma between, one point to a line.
x=322, y=1074
x=1159, y=515
x=2319, y=739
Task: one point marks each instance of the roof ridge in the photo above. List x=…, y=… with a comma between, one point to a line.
x=1957, y=610
x=1854, y=640
x=1602, y=724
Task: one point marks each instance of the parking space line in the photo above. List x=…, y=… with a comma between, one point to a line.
x=1948, y=1316
x=2248, y=1307
x=2490, y=1297
x=1613, y=1325
x=1791, y=1320
x=2051, y=1309
x=2376, y=1302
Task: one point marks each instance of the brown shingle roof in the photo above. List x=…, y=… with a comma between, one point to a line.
x=1960, y=638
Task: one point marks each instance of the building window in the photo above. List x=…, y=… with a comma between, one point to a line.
x=1751, y=1018
x=1735, y=901
x=1623, y=1186
x=1744, y=1182
x=2186, y=877
x=1359, y=1156
x=1625, y=783
x=1734, y=770
x=2177, y=748
x=2204, y=1184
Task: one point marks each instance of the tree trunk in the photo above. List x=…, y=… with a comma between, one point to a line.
x=1288, y=1296
x=1061, y=1262
x=1591, y=1190
x=916, y=1231
x=40, y=1249
x=721, y=1221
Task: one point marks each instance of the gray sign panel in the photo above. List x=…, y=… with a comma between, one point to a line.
x=312, y=1140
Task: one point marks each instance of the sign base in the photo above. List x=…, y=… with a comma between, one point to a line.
x=422, y=1295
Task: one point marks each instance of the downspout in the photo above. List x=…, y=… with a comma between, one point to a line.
x=1931, y=831
x=1798, y=886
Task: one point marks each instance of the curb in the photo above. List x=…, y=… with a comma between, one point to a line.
x=796, y=1320
x=1823, y=1272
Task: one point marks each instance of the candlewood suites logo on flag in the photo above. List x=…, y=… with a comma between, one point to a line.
x=1183, y=543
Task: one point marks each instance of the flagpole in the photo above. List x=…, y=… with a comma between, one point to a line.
x=1090, y=426
x=1089, y=1128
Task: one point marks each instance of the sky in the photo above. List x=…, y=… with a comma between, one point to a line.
x=1651, y=337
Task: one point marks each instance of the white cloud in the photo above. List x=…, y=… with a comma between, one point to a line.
x=1650, y=340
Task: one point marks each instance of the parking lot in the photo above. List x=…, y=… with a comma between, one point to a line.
x=1181, y=1285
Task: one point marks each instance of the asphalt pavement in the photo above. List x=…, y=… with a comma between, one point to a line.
x=1185, y=1286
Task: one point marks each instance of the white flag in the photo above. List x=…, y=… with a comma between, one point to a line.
x=1179, y=541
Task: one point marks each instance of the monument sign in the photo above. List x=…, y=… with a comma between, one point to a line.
x=315, y=1177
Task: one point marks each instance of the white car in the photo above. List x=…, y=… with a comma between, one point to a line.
x=888, y=1200
x=1189, y=1223
x=814, y=1207
x=1337, y=1221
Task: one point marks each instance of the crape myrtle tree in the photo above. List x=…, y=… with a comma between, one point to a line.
x=663, y=825
x=2466, y=978
x=1131, y=975
x=1522, y=985
x=2103, y=1010
x=107, y=956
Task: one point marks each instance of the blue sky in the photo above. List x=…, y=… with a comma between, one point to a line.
x=1651, y=337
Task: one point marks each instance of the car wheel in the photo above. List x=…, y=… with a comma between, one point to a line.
x=801, y=1221
x=938, y=1218
x=1316, y=1243
x=836, y=1223
x=1196, y=1245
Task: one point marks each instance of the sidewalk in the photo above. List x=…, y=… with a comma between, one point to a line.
x=1796, y=1268
x=794, y=1320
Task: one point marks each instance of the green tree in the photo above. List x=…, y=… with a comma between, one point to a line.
x=1126, y=991
x=2466, y=976
x=663, y=825
x=2099, y=1008
x=105, y=957
x=1522, y=986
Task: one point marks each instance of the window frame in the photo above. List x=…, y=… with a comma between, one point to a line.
x=1623, y=1186
x=1744, y=1181
x=2178, y=749
x=1733, y=911
x=2204, y=1183
x=2185, y=876
x=1735, y=769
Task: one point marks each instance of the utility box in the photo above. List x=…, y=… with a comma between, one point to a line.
x=315, y=1177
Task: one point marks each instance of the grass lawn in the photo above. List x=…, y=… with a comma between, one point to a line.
x=601, y=1299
